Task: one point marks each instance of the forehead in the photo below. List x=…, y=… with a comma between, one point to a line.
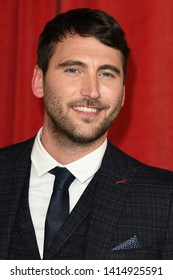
x=86, y=48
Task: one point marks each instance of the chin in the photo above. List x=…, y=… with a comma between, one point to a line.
x=84, y=139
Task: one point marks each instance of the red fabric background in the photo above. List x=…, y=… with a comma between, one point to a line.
x=21, y=22
x=144, y=128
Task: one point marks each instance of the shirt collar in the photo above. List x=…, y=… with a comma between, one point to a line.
x=83, y=168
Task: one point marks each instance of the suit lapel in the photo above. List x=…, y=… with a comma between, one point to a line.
x=24, y=222
x=15, y=171
x=9, y=199
x=112, y=183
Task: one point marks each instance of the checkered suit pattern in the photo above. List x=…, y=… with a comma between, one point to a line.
x=126, y=212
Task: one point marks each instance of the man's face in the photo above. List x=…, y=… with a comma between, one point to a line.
x=83, y=89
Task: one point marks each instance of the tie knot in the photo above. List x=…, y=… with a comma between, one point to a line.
x=63, y=178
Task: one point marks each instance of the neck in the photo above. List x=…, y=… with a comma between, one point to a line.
x=64, y=150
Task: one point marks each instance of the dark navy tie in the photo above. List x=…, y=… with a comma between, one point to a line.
x=58, y=209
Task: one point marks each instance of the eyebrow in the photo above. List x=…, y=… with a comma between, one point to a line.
x=110, y=67
x=72, y=63
x=69, y=63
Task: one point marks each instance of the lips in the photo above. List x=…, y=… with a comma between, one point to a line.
x=86, y=109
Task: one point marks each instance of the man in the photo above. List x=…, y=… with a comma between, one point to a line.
x=119, y=207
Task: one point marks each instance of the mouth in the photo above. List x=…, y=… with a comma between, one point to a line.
x=86, y=109
x=87, y=112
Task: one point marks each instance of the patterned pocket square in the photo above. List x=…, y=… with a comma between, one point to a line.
x=132, y=243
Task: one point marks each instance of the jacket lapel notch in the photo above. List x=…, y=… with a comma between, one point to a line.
x=110, y=195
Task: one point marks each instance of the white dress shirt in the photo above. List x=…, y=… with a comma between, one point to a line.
x=41, y=182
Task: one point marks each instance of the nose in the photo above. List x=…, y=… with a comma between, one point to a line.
x=90, y=87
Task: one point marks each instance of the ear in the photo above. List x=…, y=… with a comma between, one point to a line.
x=123, y=96
x=37, y=82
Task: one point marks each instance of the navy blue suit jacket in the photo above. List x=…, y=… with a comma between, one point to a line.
x=126, y=212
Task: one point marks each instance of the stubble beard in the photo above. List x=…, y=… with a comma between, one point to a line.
x=65, y=131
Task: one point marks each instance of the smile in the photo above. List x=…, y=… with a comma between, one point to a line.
x=86, y=109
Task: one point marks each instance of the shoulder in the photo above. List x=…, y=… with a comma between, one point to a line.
x=16, y=151
x=144, y=174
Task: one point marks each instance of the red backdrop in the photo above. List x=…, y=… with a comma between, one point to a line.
x=21, y=22
x=144, y=128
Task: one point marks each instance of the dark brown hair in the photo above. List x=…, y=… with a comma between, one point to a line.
x=86, y=23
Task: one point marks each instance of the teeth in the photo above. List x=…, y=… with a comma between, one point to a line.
x=86, y=109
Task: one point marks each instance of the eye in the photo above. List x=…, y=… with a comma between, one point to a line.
x=72, y=71
x=107, y=74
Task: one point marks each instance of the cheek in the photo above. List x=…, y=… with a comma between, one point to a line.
x=66, y=89
x=110, y=93
x=115, y=98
